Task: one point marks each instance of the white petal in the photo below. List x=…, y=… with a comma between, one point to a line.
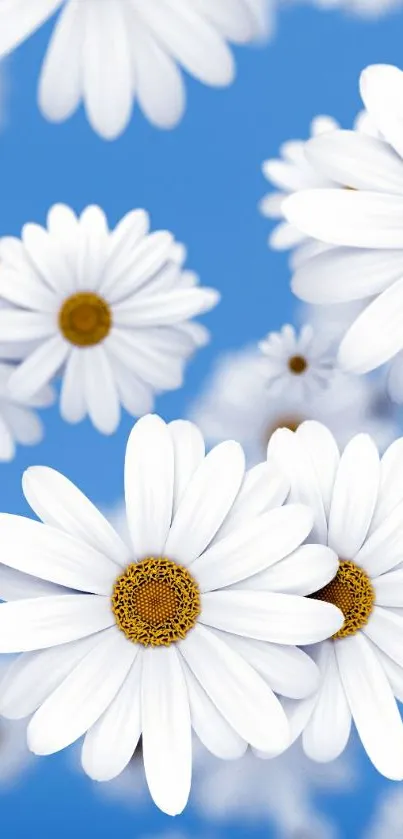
x=253, y=547
x=287, y=450
x=264, y=487
x=209, y=725
x=38, y=369
x=287, y=669
x=354, y=496
x=15, y=585
x=149, y=483
x=372, y=705
x=29, y=325
x=106, y=68
x=385, y=628
x=389, y=588
x=327, y=731
x=189, y=452
x=381, y=87
x=59, y=503
x=239, y=693
x=383, y=549
x=91, y=248
x=100, y=390
x=83, y=696
x=33, y=676
x=159, y=84
x=53, y=555
x=342, y=274
x=395, y=379
x=393, y=671
x=110, y=743
x=167, y=308
x=73, y=407
x=192, y=41
x=356, y=160
x=47, y=621
x=381, y=320
x=167, y=745
x=391, y=484
x=266, y=616
x=202, y=511
x=19, y=20
x=305, y=571
x=60, y=81
x=341, y=217
x=324, y=454
x=133, y=263
x=48, y=258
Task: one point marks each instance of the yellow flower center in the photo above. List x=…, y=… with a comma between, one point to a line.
x=352, y=591
x=297, y=364
x=155, y=602
x=85, y=319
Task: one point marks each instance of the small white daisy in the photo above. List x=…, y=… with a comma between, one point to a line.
x=153, y=637
x=109, y=312
x=108, y=54
x=357, y=501
x=19, y=422
x=292, y=172
x=304, y=362
x=235, y=403
x=365, y=223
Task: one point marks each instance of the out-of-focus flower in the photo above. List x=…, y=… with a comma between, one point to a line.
x=19, y=422
x=15, y=757
x=109, y=312
x=303, y=362
x=153, y=637
x=235, y=403
x=387, y=820
x=365, y=222
x=108, y=54
x=292, y=172
x=357, y=501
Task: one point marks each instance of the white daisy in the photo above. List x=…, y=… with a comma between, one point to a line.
x=163, y=634
x=109, y=311
x=108, y=54
x=366, y=225
x=235, y=403
x=19, y=422
x=293, y=172
x=357, y=501
x=304, y=362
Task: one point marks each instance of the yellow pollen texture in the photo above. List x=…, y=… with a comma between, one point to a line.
x=155, y=602
x=352, y=591
x=297, y=364
x=85, y=319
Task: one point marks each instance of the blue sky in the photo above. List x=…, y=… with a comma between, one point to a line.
x=202, y=181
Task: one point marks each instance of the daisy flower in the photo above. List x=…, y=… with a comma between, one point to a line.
x=357, y=501
x=292, y=172
x=302, y=361
x=235, y=403
x=109, y=312
x=108, y=54
x=19, y=422
x=365, y=225
x=150, y=638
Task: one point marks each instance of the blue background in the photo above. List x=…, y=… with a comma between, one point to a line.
x=203, y=182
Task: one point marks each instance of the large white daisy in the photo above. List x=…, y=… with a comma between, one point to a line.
x=163, y=634
x=19, y=422
x=235, y=403
x=365, y=223
x=109, y=53
x=357, y=500
x=303, y=361
x=109, y=311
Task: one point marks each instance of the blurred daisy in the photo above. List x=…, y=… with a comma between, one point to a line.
x=235, y=403
x=109, y=312
x=292, y=172
x=357, y=501
x=19, y=422
x=302, y=361
x=106, y=54
x=149, y=639
x=367, y=223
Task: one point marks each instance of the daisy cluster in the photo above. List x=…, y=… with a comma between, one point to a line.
x=250, y=599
